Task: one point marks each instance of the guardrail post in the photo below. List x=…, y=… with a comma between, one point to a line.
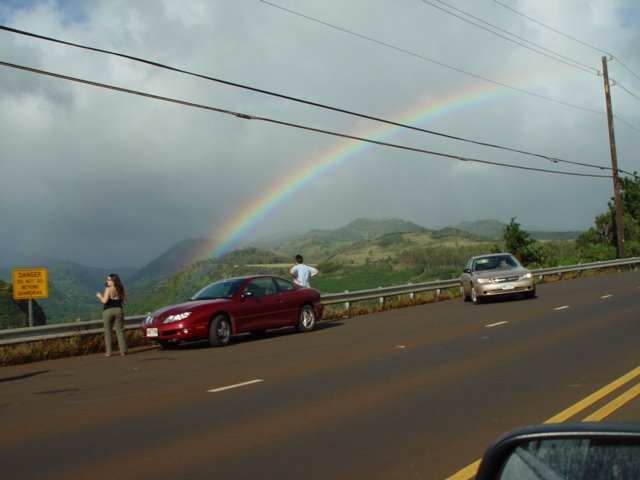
x=381, y=300
x=412, y=294
x=347, y=305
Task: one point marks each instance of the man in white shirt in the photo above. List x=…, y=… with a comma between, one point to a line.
x=302, y=272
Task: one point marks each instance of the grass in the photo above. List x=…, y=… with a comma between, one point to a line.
x=52, y=349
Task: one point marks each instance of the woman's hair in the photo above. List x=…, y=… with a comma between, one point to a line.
x=117, y=283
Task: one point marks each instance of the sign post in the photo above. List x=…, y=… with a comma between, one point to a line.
x=29, y=283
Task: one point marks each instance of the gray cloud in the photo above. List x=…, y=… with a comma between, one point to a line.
x=105, y=178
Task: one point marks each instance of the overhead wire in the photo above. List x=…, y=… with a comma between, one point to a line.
x=550, y=53
x=292, y=125
x=619, y=85
x=458, y=70
x=299, y=100
x=609, y=54
x=436, y=62
x=577, y=65
x=626, y=123
x=616, y=83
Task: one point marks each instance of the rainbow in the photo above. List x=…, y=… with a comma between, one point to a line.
x=245, y=219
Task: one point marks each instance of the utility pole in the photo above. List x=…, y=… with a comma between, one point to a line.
x=614, y=164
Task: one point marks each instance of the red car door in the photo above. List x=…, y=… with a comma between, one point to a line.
x=291, y=299
x=260, y=306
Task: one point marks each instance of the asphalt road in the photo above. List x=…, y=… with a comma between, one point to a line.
x=412, y=393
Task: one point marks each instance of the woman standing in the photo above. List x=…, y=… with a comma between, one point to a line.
x=113, y=298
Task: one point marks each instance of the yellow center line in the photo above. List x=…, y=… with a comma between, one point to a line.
x=470, y=471
x=594, y=397
x=467, y=472
x=614, y=405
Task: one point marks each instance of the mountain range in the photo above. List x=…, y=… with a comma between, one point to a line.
x=72, y=286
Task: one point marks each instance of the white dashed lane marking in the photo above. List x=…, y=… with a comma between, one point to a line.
x=495, y=324
x=237, y=385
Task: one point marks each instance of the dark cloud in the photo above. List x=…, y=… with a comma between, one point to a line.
x=107, y=178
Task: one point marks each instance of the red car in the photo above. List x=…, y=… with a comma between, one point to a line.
x=235, y=305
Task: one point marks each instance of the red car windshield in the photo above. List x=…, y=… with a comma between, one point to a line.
x=222, y=289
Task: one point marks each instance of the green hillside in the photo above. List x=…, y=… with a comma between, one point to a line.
x=363, y=254
x=191, y=278
x=317, y=245
x=15, y=313
x=170, y=262
x=71, y=288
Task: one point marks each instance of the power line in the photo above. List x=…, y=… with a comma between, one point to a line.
x=578, y=65
x=617, y=59
x=293, y=125
x=626, y=123
x=298, y=100
x=618, y=84
x=436, y=62
x=551, y=54
x=402, y=50
x=567, y=36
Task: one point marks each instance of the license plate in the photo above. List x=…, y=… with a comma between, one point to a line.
x=508, y=286
x=152, y=332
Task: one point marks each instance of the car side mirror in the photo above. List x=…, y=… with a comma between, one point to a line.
x=550, y=452
x=246, y=294
x=466, y=270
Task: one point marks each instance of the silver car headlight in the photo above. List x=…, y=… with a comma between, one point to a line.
x=526, y=275
x=176, y=318
x=484, y=280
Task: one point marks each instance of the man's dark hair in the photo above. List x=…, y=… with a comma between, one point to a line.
x=299, y=259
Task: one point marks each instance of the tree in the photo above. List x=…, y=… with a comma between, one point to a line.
x=595, y=244
x=519, y=243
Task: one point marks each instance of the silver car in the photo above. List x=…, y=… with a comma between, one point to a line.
x=493, y=275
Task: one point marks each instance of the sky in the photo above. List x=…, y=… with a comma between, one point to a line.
x=107, y=178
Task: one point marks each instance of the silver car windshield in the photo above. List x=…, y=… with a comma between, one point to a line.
x=496, y=262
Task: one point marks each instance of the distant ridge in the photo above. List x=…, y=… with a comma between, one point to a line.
x=317, y=245
x=485, y=228
x=494, y=230
x=171, y=261
x=363, y=229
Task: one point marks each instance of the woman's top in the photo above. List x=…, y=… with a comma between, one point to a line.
x=113, y=303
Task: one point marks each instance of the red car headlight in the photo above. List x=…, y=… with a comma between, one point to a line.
x=176, y=318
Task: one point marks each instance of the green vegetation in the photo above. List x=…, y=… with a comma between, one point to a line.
x=520, y=243
x=61, y=348
x=362, y=255
x=15, y=313
x=600, y=241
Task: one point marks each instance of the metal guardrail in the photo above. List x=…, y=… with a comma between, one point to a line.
x=62, y=330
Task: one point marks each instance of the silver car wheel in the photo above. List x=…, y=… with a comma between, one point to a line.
x=465, y=296
x=474, y=297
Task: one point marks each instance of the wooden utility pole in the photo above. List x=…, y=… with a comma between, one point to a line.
x=614, y=164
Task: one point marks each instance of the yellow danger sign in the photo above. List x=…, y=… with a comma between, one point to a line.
x=29, y=283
